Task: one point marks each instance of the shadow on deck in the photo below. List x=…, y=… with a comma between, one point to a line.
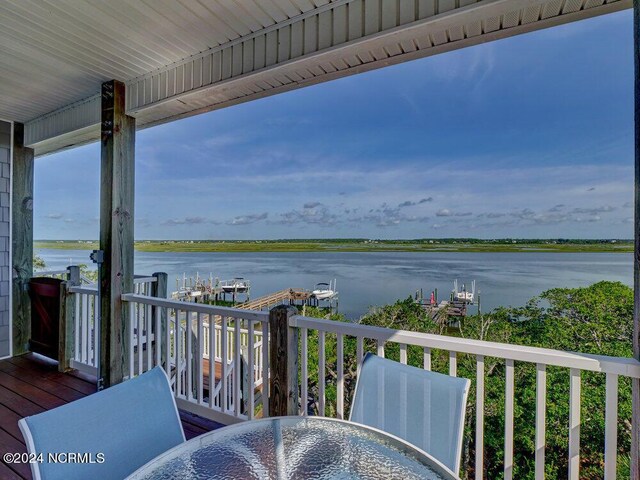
x=31, y=384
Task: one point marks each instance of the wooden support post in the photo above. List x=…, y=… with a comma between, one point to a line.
x=283, y=362
x=67, y=319
x=117, y=171
x=159, y=290
x=22, y=239
x=635, y=383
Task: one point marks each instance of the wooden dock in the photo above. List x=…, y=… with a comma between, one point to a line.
x=447, y=312
x=288, y=295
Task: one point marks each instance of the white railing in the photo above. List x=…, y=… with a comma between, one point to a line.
x=612, y=367
x=186, y=352
x=244, y=343
x=86, y=321
x=59, y=274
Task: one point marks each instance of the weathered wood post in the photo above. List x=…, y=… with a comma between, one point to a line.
x=22, y=239
x=159, y=290
x=67, y=319
x=635, y=383
x=283, y=362
x=117, y=170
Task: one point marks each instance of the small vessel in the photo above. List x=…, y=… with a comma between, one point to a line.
x=461, y=294
x=235, y=285
x=324, y=291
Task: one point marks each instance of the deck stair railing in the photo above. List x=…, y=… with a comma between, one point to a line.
x=306, y=346
x=210, y=368
x=84, y=316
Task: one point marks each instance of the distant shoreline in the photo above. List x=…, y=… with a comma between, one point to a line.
x=360, y=245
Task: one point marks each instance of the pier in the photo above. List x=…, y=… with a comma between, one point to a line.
x=288, y=295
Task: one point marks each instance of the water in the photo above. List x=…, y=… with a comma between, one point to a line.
x=373, y=278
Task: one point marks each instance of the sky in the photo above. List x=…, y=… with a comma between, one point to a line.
x=526, y=137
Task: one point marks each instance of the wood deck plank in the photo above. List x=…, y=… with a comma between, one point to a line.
x=9, y=444
x=9, y=423
x=48, y=384
x=41, y=366
x=19, y=404
x=31, y=384
x=40, y=397
x=7, y=474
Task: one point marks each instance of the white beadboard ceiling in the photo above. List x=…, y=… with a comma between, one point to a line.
x=183, y=57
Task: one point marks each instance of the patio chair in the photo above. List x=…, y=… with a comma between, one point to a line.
x=424, y=408
x=128, y=424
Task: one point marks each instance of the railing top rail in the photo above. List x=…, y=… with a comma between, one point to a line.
x=49, y=272
x=597, y=363
x=85, y=289
x=197, y=307
x=144, y=279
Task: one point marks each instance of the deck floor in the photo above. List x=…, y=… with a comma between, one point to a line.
x=31, y=384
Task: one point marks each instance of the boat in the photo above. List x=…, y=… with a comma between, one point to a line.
x=461, y=294
x=324, y=291
x=236, y=285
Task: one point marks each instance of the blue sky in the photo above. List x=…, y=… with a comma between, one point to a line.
x=530, y=136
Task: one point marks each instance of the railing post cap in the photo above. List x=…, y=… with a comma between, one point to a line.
x=287, y=308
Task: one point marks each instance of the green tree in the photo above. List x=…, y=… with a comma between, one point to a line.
x=595, y=319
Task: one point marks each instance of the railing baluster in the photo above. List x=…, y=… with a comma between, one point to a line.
x=403, y=353
x=237, y=376
x=85, y=327
x=158, y=335
x=188, y=353
x=380, y=350
x=574, y=425
x=340, y=365
x=360, y=352
x=225, y=366
x=541, y=421
x=77, y=317
x=212, y=358
x=265, y=369
x=508, y=421
x=252, y=370
x=479, y=464
x=148, y=328
x=139, y=321
x=178, y=353
x=321, y=373
x=94, y=331
x=132, y=309
x=304, y=372
x=427, y=358
x=199, y=386
x=167, y=353
x=453, y=364
x=611, y=427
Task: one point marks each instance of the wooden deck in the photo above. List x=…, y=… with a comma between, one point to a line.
x=31, y=384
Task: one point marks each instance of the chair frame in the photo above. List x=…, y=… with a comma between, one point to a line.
x=465, y=396
x=31, y=449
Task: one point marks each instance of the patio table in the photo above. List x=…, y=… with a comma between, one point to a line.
x=295, y=448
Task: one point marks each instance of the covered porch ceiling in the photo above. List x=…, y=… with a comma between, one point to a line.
x=183, y=57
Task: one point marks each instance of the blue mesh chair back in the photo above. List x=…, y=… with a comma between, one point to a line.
x=127, y=424
x=424, y=408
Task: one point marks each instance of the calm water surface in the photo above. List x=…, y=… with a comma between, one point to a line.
x=372, y=278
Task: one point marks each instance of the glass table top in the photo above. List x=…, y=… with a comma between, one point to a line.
x=294, y=448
